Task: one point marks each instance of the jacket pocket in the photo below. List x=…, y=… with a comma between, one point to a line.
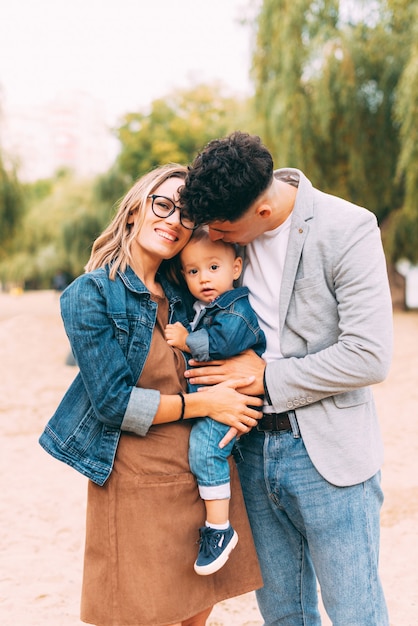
x=309, y=282
x=87, y=431
x=352, y=398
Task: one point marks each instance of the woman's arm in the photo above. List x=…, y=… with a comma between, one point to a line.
x=222, y=402
x=97, y=342
x=111, y=384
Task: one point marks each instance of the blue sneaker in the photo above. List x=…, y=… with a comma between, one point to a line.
x=215, y=548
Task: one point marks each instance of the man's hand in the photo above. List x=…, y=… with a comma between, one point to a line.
x=176, y=336
x=244, y=365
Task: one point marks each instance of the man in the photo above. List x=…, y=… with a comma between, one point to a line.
x=310, y=470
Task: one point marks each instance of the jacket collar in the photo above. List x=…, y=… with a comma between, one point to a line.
x=225, y=300
x=135, y=284
x=303, y=212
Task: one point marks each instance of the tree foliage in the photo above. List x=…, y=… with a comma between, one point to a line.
x=336, y=88
x=12, y=206
x=406, y=114
x=175, y=128
x=401, y=233
x=55, y=234
x=65, y=215
x=289, y=34
x=336, y=94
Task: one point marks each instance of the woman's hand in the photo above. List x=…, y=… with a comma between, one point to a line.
x=248, y=363
x=224, y=403
x=232, y=432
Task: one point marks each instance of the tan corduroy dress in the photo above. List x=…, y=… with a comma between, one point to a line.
x=143, y=524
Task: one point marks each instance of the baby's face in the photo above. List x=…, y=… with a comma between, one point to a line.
x=209, y=268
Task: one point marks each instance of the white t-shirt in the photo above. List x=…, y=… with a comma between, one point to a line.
x=198, y=307
x=263, y=271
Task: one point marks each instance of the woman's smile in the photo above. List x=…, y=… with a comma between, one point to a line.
x=166, y=235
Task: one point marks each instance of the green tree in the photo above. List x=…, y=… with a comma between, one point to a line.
x=108, y=189
x=401, y=232
x=61, y=221
x=358, y=133
x=289, y=37
x=12, y=206
x=325, y=88
x=64, y=215
x=175, y=128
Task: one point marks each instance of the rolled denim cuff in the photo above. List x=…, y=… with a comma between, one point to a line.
x=141, y=410
x=215, y=492
x=198, y=343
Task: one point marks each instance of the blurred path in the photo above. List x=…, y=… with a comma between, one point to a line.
x=42, y=503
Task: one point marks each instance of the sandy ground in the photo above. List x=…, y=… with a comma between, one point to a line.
x=42, y=502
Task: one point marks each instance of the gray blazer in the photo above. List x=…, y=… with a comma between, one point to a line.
x=336, y=333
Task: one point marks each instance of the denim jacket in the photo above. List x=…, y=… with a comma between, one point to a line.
x=227, y=326
x=109, y=324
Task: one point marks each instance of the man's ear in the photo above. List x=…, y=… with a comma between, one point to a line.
x=264, y=210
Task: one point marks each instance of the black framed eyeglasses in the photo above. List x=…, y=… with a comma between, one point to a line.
x=164, y=207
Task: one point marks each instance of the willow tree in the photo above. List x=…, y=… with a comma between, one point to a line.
x=326, y=80
x=290, y=35
x=353, y=103
x=403, y=235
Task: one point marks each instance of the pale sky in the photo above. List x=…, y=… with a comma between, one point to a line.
x=124, y=52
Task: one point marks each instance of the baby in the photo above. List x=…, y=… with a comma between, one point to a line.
x=224, y=325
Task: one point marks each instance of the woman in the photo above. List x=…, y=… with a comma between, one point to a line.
x=125, y=423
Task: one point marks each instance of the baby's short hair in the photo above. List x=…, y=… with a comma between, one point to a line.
x=201, y=233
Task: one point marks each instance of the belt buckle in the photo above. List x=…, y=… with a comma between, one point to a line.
x=283, y=422
x=274, y=422
x=267, y=417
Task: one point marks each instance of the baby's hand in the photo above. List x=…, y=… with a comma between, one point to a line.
x=176, y=335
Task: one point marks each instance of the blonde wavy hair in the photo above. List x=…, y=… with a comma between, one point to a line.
x=113, y=247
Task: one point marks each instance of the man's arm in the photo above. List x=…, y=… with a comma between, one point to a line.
x=248, y=363
x=359, y=356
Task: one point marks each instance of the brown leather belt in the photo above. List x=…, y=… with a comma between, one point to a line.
x=275, y=422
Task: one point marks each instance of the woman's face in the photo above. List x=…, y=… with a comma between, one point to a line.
x=162, y=238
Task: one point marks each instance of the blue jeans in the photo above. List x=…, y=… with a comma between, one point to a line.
x=306, y=528
x=209, y=462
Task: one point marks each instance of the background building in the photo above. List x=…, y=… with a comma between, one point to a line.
x=69, y=131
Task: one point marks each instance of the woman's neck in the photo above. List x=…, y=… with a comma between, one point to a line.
x=148, y=275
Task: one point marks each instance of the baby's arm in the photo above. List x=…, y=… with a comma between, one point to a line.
x=176, y=335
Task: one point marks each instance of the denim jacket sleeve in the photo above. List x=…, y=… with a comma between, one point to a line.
x=198, y=344
x=224, y=334
x=108, y=377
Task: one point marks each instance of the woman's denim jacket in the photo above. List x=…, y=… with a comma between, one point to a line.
x=109, y=324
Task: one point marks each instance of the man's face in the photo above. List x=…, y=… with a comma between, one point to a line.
x=241, y=231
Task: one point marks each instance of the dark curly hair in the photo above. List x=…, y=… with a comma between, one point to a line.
x=226, y=177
